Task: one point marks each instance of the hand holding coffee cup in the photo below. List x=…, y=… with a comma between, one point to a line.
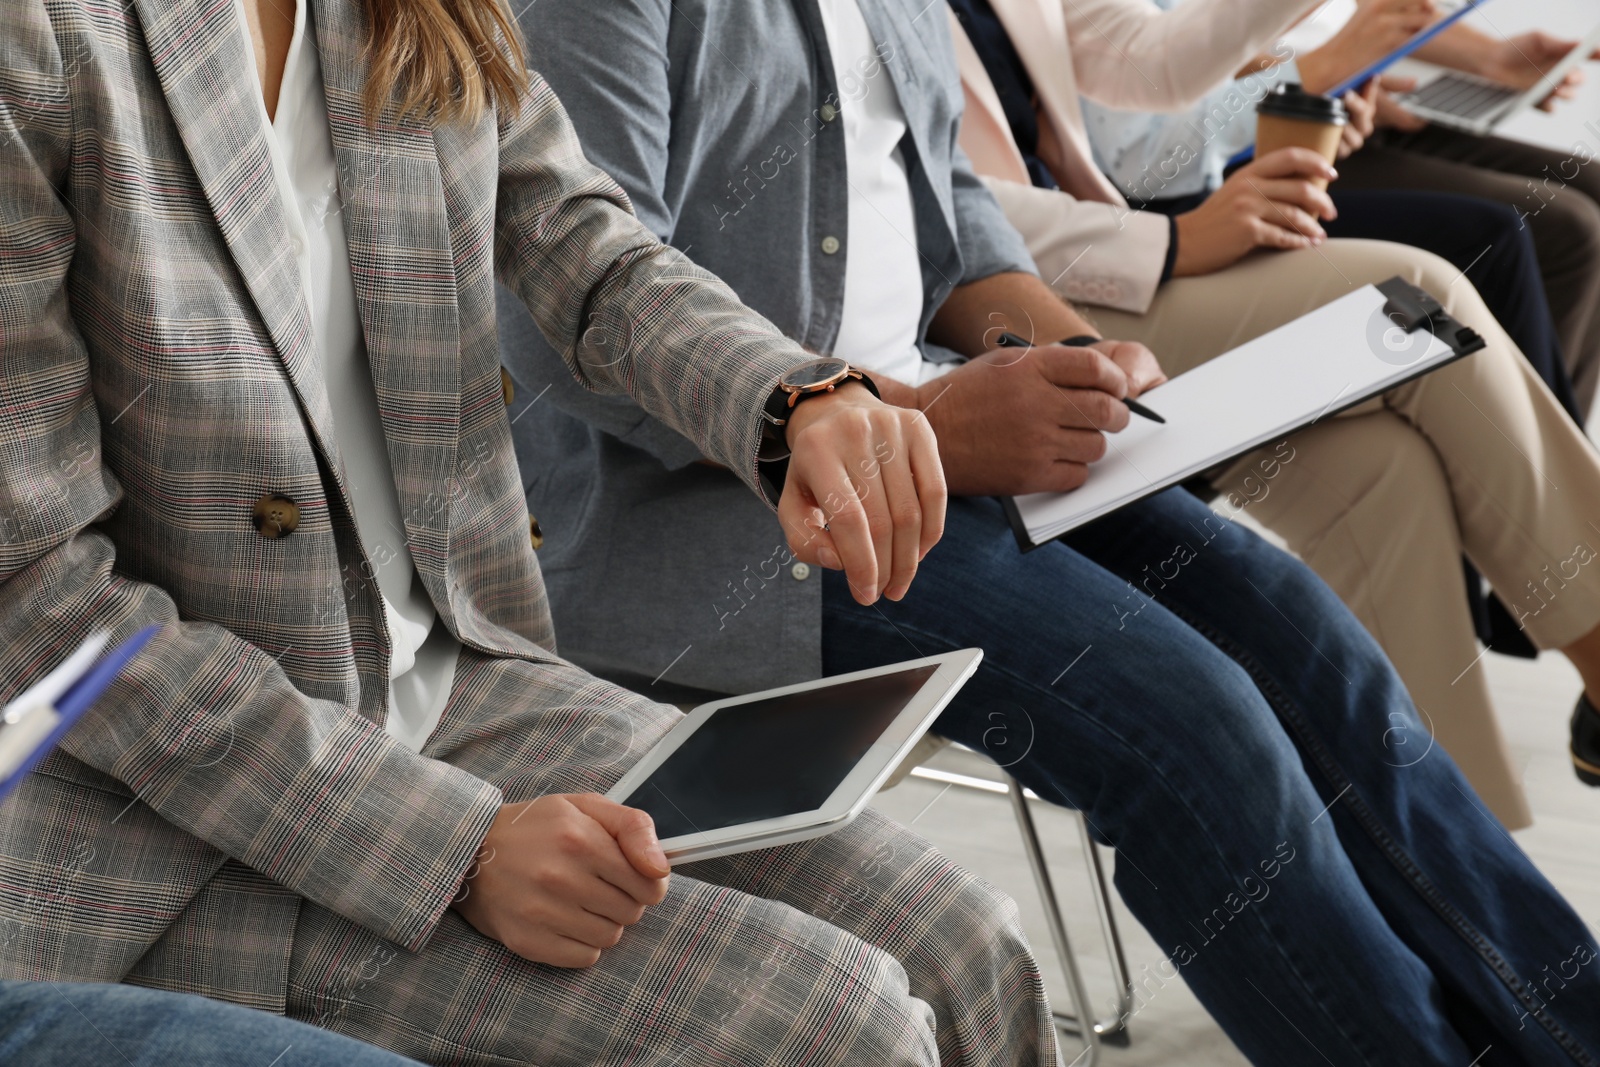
x=1290, y=117
x=1275, y=201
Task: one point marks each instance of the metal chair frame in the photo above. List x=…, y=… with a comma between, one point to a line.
x=1112, y=1028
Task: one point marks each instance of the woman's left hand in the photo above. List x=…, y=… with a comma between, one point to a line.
x=865, y=491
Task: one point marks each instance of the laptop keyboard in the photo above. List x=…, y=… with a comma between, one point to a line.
x=1463, y=97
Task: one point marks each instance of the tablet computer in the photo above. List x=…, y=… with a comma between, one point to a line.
x=787, y=764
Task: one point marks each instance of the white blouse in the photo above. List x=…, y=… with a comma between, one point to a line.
x=422, y=654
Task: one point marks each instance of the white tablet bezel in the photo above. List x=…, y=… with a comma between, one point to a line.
x=850, y=796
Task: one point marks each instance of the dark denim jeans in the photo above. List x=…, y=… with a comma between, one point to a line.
x=1318, y=871
x=63, y=1024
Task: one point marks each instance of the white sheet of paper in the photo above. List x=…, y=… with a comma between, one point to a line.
x=1282, y=381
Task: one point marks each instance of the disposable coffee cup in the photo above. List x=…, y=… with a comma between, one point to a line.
x=1290, y=117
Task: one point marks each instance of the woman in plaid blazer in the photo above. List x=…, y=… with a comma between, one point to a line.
x=236, y=820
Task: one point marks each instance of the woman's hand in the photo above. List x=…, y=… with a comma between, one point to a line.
x=558, y=879
x=1271, y=203
x=1377, y=28
x=1391, y=113
x=1362, y=107
x=865, y=492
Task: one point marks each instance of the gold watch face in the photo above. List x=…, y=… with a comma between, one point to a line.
x=815, y=374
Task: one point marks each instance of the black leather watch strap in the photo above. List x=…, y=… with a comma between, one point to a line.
x=773, y=454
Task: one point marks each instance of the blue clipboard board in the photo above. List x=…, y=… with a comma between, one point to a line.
x=64, y=709
x=1358, y=80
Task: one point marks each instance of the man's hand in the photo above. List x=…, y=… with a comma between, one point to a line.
x=1519, y=62
x=1377, y=28
x=1137, y=363
x=1271, y=203
x=558, y=879
x=1029, y=420
x=865, y=491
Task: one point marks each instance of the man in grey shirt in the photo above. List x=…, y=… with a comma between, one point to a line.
x=1209, y=704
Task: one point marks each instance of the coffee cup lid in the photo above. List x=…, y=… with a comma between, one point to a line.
x=1292, y=102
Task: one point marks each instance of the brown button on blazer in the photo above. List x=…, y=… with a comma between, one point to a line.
x=161, y=378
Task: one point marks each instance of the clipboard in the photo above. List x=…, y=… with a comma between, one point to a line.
x=36, y=721
x=1355, y=81
x=1321, y=364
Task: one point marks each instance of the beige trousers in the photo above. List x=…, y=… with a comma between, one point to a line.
x=1383, y=501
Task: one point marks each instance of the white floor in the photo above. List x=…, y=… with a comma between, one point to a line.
x=1535, y=700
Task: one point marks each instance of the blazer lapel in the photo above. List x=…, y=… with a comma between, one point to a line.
x=985, y=130
x=397, y=230
x=1039, y=34
x=200, y=58
x=1038, y=31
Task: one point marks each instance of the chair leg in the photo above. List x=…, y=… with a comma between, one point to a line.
x=1082, y=1024
x=1116, y=1024
x=1113, y=1028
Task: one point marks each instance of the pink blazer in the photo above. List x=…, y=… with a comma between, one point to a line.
x=1088, y=243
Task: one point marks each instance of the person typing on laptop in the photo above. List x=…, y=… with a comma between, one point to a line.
x=1200, y=695
x=1555, y=193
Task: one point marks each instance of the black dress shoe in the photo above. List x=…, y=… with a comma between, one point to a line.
x=1586, y=742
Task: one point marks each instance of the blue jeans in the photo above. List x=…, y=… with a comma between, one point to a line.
x=62, y=1024
x=1318, y=872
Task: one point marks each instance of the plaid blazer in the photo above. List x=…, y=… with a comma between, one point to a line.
x=158, y=378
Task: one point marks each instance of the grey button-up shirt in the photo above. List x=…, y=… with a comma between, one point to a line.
x=721, y=120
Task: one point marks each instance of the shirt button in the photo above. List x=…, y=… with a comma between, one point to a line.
x=801, y=571
x=535, y=534
x=275, y=516
x=828, y=112
x=508, y=389
x=298, y=246
x=830, y=245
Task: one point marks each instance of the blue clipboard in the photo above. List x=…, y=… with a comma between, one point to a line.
x=1406, y=49
x=63, y=709
x=1358, y=80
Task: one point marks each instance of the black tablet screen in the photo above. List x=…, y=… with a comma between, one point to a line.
x=773, y=757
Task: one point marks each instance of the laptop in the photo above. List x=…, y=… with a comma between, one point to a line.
x=1476, y=105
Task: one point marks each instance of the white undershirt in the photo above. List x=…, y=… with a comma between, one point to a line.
x=422, y=655
x=883, y=273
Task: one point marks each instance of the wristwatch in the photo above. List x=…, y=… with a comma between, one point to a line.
x=808, y=379
x=797, y=383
